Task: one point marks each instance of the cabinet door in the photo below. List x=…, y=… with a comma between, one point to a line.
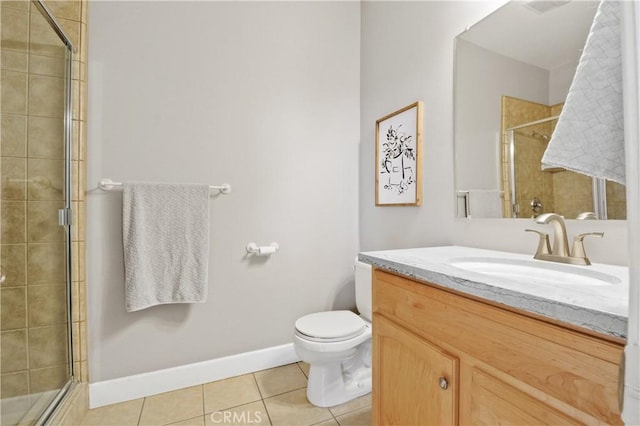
x=493, y=402
x=414, y=381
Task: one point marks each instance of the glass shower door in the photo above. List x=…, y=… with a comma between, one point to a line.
x=34, y=247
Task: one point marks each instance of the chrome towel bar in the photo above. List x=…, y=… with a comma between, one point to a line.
x=107, y=185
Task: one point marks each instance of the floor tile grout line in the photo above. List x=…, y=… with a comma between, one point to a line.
x=261, y=398
x=204, y=420
x=141, y=409
x=282, y=393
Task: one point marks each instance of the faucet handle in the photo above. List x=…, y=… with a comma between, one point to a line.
x=543, y=243
x=578, y=246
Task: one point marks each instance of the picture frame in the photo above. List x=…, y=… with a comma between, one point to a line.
x=399, y=157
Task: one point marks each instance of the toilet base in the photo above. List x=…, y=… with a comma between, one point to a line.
x=338, y=382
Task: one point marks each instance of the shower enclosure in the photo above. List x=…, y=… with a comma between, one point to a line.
x=534, y=191
x=35, y=199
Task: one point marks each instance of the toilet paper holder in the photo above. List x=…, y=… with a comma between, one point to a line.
x=253, y=248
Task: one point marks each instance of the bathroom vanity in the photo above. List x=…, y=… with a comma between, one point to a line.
x=452, y=345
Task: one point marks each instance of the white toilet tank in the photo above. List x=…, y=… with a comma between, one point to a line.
x=363, y=289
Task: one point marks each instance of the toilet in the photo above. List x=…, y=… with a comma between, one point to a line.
x=337, y=346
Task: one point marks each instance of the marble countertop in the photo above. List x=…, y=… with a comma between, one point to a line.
x=601, y=308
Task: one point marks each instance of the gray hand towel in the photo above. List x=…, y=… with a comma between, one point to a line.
x=166, y=243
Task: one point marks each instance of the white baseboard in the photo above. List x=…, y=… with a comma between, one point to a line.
x=155, y=382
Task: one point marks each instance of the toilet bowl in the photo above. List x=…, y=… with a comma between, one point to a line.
x=337, y=347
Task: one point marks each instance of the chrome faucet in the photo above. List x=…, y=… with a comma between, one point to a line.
x=560, y=251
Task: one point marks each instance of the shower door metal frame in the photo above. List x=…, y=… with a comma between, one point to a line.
x=64, y=215
x=599, y=193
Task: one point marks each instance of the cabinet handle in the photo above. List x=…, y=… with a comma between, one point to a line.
x=3, y=277
x=444, y=384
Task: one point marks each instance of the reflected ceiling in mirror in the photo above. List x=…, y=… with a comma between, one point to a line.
x=513, y=70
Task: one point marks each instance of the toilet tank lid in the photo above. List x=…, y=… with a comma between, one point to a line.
x=331, y=324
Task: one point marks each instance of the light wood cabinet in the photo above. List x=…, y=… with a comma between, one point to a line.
x=501, y=366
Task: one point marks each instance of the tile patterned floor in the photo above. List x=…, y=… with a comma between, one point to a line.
x=270, y=397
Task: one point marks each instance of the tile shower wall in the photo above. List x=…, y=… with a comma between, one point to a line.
x=31, y=163
x=529, y=179
x=558, y=189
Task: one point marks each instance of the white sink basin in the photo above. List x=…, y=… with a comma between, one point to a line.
x=556, y=274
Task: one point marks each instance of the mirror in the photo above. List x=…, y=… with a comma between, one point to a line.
x=513, y=72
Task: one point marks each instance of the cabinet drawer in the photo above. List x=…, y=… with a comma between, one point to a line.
x=577, y=369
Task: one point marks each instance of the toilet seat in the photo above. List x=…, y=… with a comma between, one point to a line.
x=331, y=326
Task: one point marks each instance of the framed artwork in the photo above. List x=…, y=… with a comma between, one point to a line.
x=399, y=157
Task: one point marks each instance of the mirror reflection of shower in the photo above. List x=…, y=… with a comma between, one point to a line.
x=534, y=191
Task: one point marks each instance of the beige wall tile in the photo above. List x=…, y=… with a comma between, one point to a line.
x=75, y=100
x=14, y=351
x=76, y=70
x=230, y=393
x=44, y=379
x=83, y=340
x=14, y=136
x=51, y=66
x=84, y=47
x=13, y=92
x=173, y=406
x=46, y=138
x=13, y=310
x=48, y=346
x=83, y=101
x=15, y=29
x=74, y=180
x=72, y=30
x=46, y=96
x=42, y=39
x=14, y=221
x=75, y=337
x=75, y=140
x=74, y=263
x=14, y=384
x=15, y=4
x=81, y=263
x=83, y=140
x=12, y=60
x=64, y=9
x=46, y=263
x=46, y=179
x=82, y=177
x=278, y=380
x=74, y=224
x=14, y=264
x=42, y=221
x=47, y=305
x=14, y=173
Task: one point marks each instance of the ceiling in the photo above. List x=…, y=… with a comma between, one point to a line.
x=548, y=40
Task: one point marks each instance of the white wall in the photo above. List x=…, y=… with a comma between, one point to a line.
x=560, y=79
x=407, y=55
x=482, y=78
x=264, y=96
